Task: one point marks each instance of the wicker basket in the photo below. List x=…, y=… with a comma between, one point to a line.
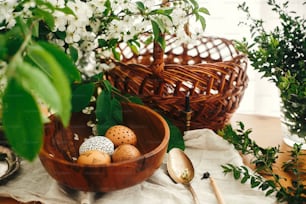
x=209, y=78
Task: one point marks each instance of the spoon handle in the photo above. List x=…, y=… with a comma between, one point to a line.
x=193, y=193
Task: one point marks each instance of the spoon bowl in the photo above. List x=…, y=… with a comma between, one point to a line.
x=181, y=170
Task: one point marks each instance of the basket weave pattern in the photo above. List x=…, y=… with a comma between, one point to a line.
x=212, y=73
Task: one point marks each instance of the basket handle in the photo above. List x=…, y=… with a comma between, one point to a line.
x=157, y=66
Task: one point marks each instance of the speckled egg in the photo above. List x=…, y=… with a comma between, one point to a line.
x=100, y=143
x=94, y=157
x=120, y=134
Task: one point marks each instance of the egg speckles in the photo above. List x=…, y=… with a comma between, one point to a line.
x=100, y=143
x=120, y=134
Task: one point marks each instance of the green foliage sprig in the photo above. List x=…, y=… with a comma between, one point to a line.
x=107, y=108
x=33, y=72
x=279, y=54
x=263, y=160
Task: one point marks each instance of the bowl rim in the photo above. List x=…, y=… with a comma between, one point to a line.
x=163, y=143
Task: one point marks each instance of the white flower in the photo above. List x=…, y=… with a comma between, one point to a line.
x=59, y=42
x=114, y=30
x=58, y=3
x=60, y=21
x=6, y=13
x=89, y=45
x=106, y=54
x=11, y=23
x=120, y=5
x=152, y=4
x=91, y=24
x=179, y=17
x=97, y=6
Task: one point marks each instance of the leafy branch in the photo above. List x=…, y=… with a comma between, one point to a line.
x=108, y=110
x=264, y=160
x=34, y=72
x=279, y=54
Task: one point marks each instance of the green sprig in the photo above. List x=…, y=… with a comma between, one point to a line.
x=279, y=55
x=264, y=159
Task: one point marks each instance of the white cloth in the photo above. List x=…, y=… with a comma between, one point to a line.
x=207, y=152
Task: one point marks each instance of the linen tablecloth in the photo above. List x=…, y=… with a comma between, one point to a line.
x=207, y=152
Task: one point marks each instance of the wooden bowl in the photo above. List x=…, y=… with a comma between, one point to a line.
x=61, y=148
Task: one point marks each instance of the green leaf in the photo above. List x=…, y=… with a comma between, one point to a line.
x=112, y=42
x=34, y=80
x=116, y=54
x=14, y=38
x=103, y=127
x=194, y=3
x=245, y=178
x=269, y=192
x=134, y=99
x=21, y=121
x=162, y=11
x=116, y=110
x=103, y=110
x=226, y=169
x=107, y=86
x=61, y=35
x=162, y=27
x=162, y=42
x=236, y=173
x=66, y=10
x=149, y=40
x=46, y=62
x=254, y=182
x=108, y=111
x=3, y=49
x=204, y=10
x=108, y=7
x=45, y=15
x=264, y=186
x=141, y=7
x=73, y=53
x=202, y=21
x=134, y=49
x=66, y=63
x=81, y=95
x=176, y=137
x=21, y=26
x=156, y=30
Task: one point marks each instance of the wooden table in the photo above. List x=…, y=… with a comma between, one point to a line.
x=266, y=132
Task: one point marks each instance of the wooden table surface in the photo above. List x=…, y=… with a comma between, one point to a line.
x=265, y=131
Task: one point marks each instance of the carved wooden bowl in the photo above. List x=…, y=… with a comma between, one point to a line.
x=61, y=148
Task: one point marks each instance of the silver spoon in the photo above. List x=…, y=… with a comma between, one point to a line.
x=181, y=170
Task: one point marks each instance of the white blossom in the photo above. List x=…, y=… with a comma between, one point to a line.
x=6, y=13
x=120, y=5
x=58, y=3
x=89, y=24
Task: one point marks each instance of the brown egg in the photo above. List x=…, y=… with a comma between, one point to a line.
x=120, y=134
x=125, y=152
x=94, y=157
